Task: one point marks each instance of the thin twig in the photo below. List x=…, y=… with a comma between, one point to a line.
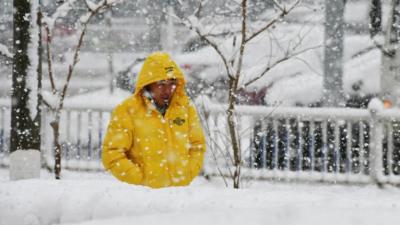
x=273, y=21
x=205, y=37
x=65, y=5
x=217, y=49
x=308, y=65
x=286, y=57
x=243, y=41
x=387, y=52
x=104, y=6
x=208, y=130
x=199, y=9
x=49, y=59
x=48, y=105
x=278, y=5
x=88, y=5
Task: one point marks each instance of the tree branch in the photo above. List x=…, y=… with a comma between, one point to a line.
x=102, y=6
x=278, y=5
x=283, y=13
x=243, y=41
x=90, y=5
x=47, y=104
x=212, y=44
x=385, y=51
x=284, y=58
x=62, y=10
x=49, y=60
x=199, y=9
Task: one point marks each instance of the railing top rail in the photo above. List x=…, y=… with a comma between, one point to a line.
x=296, y=112
x=393, y=114
x=83, y=109
x=89, y=109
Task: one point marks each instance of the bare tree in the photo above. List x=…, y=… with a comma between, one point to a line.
x=234, y=64
x=25, y=109
x=57, y=105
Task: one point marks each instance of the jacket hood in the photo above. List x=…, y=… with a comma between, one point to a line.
x=159, y=66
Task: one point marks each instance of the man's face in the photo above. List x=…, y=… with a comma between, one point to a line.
x=162, y=91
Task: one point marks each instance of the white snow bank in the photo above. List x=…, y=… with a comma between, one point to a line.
x=98, y=199
x=25, y=164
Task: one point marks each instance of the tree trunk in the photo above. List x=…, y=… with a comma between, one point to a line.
x=25, y=129
x=233, y=133
x=25, y=132
x=57, y=155
x=333, y=72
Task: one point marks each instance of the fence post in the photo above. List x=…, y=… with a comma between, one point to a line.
x=376, y=142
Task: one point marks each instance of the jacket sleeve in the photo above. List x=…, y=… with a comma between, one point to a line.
x=197, y=143
x=117, y=142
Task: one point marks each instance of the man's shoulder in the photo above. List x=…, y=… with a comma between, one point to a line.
x=128, y=104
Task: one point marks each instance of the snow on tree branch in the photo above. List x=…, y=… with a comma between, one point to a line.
x=233, y=54
x=278, y=5
x=286, y=57
x=283, y=13
x=67, y=6
x=295, y=47
x=378, y=41
x=59, y=99
x=5, y=52
x=49, y=62
x=61, y=11
x=97, y=8
x=90, y=5
x=194, y=24
x=103, y=5
x=243, y=39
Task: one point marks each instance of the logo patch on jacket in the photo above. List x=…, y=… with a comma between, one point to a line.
x=178, y=121
x=169, y=71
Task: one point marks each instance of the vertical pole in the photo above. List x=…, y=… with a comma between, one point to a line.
x=375, y=147
x=333, y=54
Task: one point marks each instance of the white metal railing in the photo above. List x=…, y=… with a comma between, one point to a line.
x=320, y=144
x=289, y=143
x=81, y=134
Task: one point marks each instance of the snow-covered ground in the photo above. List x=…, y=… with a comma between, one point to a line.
x=98, y=199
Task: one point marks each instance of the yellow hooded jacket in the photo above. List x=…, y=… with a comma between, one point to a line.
x=145, y=148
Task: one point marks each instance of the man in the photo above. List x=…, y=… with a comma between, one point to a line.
x=155, y=137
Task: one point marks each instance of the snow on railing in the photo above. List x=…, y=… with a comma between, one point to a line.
x=81, y=134
x=324, y=144
x=283, y=143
